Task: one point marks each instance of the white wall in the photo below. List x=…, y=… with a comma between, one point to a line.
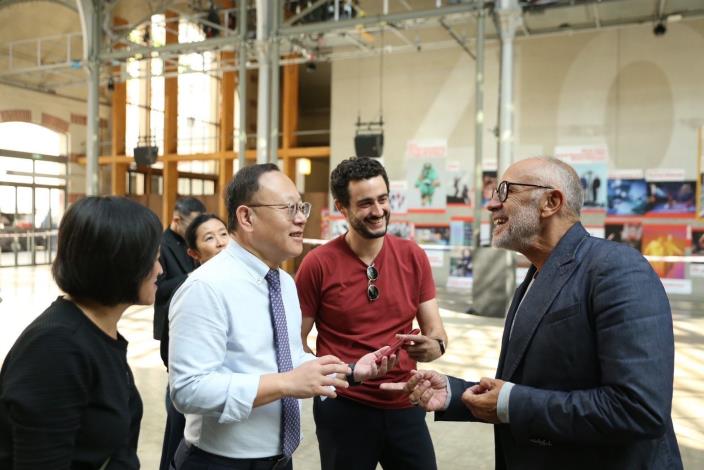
x=641, y=95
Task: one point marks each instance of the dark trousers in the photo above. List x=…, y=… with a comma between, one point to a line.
x=353, y=436
x=173, y=433
x=189, y=457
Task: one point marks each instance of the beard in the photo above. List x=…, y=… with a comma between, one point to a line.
x=361, y=228
x=520, y=229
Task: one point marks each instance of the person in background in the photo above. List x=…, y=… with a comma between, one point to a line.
x=361, y=290
x=67, y=395
x=205, y=237
x=173, y=255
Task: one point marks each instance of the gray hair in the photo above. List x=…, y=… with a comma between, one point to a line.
x=562, y=176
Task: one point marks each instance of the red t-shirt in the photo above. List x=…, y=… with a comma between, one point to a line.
x=332, y=288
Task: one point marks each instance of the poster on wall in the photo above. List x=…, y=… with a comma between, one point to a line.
x=701, y=195
x=489, y=182
x=665, y=240
x=626, y=193
x=458, y=184
x=591, y=164
x=460, y=276
x=336, y=227
x=397, y=197
x=401, y=228
x=425, y=175
x=460, y=233
x=432, y=234
x=697, y=269
x=628, y=233
x=669, y=193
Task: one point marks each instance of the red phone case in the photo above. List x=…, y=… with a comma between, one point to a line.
x=397, y=345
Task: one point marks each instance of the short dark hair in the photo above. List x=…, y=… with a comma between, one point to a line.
x=242, y=188
x=192, y=228
x=185, y=206
x=107, y=246
x=354, y=169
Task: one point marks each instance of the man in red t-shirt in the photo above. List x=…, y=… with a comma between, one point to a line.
x=362, y=291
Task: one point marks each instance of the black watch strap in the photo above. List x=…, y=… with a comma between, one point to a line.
x=441, y=342
x=350, y=376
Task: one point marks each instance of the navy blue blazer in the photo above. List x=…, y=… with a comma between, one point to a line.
x=592, y=357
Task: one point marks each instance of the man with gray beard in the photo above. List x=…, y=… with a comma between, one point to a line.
x=363, y=290
x=585, y=372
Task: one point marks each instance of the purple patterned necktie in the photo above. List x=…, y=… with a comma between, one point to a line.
x=290, y=413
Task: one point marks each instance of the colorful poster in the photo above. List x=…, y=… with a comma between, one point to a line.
x=489, y=182
x=460, y=276
x=591, y=164
x=425, y=174
x=698, y=242
x=626, y=196
x=398, y=191
x=665, y=240
x=337, y=227
x=671, y=197
x=701, y=195
x=402, y=229
x=458, y=184
x=630, y=234
x=460, y=233
x=432, y=234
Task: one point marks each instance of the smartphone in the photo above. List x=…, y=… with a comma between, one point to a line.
x=397, y=345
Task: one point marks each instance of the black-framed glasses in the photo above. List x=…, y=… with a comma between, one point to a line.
x=503, y=188
x=372, y=289
x=292, y=207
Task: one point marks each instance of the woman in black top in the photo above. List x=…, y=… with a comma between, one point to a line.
x=67, y=395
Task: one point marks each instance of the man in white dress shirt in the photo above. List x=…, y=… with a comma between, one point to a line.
x=226, y=371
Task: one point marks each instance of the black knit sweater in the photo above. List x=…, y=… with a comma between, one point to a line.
x=67, y=397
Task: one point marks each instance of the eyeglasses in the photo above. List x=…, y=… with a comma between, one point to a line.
x=372, y=290
x=293, y=208
x=503, y=189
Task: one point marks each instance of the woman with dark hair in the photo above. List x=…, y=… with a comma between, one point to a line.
x=206, y=236
x=67, y=395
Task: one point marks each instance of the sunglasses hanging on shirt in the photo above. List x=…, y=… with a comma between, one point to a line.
x=372, y=289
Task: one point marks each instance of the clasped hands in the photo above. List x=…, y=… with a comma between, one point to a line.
x=428, y=389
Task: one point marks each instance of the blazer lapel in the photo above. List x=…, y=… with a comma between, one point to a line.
x=517, y=296
x=547, y=285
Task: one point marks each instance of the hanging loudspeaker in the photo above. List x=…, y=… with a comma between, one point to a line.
x=145, y=155
x=369, y=145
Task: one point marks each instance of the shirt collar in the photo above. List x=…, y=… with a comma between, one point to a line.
x=257, y=268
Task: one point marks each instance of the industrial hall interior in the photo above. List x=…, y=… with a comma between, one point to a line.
x=351, y=234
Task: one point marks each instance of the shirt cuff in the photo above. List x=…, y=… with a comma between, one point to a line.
x=502, y=403
x=449, y=394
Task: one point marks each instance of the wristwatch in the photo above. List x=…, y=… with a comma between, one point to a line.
x=350, y=376
x=441, y=342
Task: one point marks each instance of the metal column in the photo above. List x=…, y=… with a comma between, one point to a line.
x=495, y=269
x=90, y=14
x=242, y=85
x=478, y=126
x=275, y=77
x=264, y=8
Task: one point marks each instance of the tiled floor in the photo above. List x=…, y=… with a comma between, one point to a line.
x=473, y=353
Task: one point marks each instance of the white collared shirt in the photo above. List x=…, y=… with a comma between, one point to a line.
x=221, y=342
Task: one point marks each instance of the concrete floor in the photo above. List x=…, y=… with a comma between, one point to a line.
x=473, y=352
